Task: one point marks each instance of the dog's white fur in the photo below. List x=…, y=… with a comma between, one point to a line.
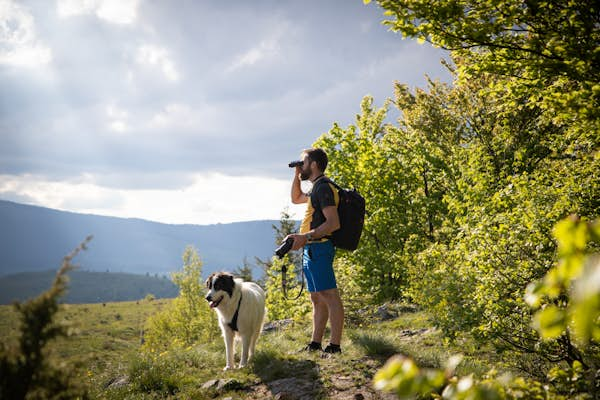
x=250, y=318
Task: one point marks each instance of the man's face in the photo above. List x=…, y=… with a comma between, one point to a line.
x=305, y=172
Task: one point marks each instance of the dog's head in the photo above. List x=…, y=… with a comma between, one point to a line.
x=220, y=286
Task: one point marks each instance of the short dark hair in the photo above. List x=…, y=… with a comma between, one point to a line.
x=319, y=156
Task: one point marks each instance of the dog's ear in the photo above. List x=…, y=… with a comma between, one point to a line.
x=209, y=280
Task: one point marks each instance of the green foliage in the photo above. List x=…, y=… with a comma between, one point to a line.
x=574, y=283
x=278, y=307
x=392, y=170
x=401, y=375
x=549, y=47
x=461, y=199
x=25, y=372
x=569, y=294
x=188, y=319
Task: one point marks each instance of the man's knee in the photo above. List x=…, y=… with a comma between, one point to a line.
x=316, y=298
x=330, y=294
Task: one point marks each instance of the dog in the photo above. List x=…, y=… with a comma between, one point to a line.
x=240, y=307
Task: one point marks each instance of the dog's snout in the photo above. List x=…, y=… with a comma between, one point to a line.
x=208, y=297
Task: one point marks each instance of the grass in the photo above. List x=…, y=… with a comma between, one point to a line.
x=105, y=348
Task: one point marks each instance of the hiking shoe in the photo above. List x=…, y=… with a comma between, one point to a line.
x=312, y=346
x=332, y=348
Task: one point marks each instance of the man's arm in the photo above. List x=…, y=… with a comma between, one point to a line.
x=331, y=224
x=297, y=196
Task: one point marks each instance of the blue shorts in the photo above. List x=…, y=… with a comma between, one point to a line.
x=317, y=262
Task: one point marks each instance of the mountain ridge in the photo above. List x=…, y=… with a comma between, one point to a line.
x=35, y=238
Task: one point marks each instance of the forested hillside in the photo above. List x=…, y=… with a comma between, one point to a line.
x=36, y=239
x=87, y=286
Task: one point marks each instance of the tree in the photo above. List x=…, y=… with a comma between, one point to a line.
x=548, y=46
x=278, y=306
x=188, y=319
x=245, y=271
x=25, y=372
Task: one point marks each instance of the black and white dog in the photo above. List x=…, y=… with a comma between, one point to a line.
x=241, y=309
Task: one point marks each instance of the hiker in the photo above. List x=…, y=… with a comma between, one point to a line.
x=320, y=220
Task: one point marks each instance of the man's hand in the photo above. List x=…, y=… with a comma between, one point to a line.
x=299, y=240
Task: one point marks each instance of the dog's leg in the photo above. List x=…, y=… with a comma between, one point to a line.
x=229, y=335
x=245, y=346
x=252, y=345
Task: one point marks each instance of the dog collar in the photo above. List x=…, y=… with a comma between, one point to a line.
x=233, y=323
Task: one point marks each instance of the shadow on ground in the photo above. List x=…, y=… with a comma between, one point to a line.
x=287, y=376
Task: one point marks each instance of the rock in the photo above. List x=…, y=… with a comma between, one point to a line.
x=343, y=383
x=292, y=389
x=413, y=332
x=385, y=314
x=276, y=325
x=210, y=384
x=117, y=382
x=222, y=385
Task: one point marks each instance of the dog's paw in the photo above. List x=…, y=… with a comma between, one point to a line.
x=227, y=368
x=242, y=365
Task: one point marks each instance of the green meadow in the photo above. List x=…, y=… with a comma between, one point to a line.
x=104, y=352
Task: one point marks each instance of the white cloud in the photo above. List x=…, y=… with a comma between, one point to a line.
x=19, y=45
x=173, y=115
x=265, y=49
x=123, y=12
x=208, y=199
x=151, y=55
x=117, y=119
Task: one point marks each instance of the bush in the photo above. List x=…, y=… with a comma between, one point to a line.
x=188, y=319
x=278, y=307
x=25, y=371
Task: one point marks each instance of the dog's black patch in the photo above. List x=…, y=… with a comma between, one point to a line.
x=221, y=281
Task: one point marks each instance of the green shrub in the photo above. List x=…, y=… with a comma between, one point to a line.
x=25, y=371
x=188, y=319
x=278, y=307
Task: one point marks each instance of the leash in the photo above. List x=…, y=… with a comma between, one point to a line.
x=284, y=282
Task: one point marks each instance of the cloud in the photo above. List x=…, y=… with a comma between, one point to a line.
x=19, y=44
x=207, y=199
x=154, y=56
x=114, y=11
x=137, y=103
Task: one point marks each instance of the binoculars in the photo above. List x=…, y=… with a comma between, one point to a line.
x=284, y=248
x=295, y=164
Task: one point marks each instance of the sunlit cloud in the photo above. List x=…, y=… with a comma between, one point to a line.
x=205, y=199
x=122, y=12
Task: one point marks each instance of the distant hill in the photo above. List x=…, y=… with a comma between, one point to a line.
x=36, y=239
x=87, y=287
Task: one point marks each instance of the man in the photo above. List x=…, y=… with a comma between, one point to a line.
x=320, y=220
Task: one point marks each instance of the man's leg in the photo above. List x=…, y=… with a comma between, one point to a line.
x=320, y=316
x=331, y=298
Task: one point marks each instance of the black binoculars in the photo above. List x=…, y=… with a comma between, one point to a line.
x=285, y=247
x=295, y=164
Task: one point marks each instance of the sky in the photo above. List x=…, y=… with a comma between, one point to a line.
x=185, y=112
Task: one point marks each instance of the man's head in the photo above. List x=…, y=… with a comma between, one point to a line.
x=315, y=163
